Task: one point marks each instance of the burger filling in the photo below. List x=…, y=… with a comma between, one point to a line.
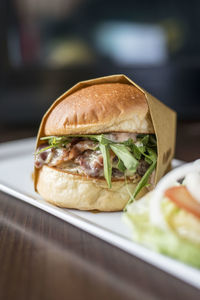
x=112, y=156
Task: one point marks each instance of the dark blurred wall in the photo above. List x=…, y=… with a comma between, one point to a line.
x=47, y=46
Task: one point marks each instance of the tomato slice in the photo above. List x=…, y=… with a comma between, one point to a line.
x=183, y=199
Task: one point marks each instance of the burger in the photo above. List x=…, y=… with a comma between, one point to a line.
x=96, y=148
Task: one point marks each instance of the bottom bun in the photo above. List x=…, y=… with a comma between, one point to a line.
x=74, y=191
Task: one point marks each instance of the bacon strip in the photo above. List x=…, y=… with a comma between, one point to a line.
x=79, y=148
x=59, y=155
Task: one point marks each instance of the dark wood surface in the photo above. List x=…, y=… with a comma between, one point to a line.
x=42, y=257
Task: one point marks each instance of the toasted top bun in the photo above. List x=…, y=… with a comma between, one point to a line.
x=108, y=107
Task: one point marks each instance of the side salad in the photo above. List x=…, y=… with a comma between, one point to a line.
x=167, y=220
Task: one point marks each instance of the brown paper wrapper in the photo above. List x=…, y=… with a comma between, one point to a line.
x=163, y=119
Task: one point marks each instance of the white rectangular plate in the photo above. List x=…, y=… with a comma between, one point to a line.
x=17, y=157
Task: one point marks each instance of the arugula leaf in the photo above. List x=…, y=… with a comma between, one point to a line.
x=145, y=140
x=121, y=167
x=97, y=137
x=148, y=160
x=125, y=155
x=57, y=141
x=100, y=138
x=143, y=182
x=43, y=149
x=129, y=142
x=149, y=154
x=106, y=163
x=148, y=140
x=129, y=192
x=58, y=138
x=136, y=152
x=134, y=149
x=152, y=154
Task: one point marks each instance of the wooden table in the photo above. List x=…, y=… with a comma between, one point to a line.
x=42, y=257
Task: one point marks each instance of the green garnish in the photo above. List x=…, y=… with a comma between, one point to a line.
x=106, y=163
x=54, y=142
x=43, y=149
x=126, y=156
x=57, y=141
x=129, y=154
x=136, y=152
x=142, y=183
x=120, y=165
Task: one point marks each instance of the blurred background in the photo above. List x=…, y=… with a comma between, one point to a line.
x=47, y=46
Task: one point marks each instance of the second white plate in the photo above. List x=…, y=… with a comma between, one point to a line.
x=16, y=166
